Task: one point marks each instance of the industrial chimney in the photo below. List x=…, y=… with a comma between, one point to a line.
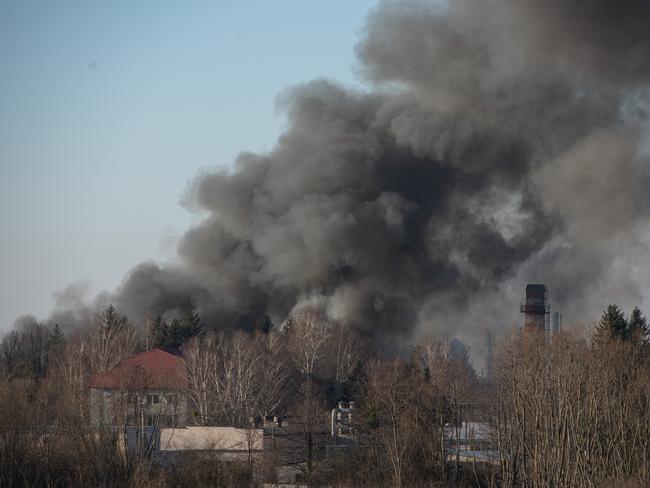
x=536, y=310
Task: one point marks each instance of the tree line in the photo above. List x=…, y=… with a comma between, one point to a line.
x=574, y=412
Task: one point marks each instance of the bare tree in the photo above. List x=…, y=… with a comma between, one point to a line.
x=305, y=436
x=201, y=360
x=112, y=339
x=234, y=377
x=446, y=365
x=120, y=449
x=307, y=337
x=572, y=416
x=25, y=351
x=274, y=379
x=402, y=422
x=93, y=350
x=344, y=350
x=73, y=371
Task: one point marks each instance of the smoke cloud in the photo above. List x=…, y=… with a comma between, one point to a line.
x=501, y=142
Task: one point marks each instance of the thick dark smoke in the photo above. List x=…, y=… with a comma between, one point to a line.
x=503, y=142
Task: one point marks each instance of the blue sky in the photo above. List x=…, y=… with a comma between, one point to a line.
x=109, y=109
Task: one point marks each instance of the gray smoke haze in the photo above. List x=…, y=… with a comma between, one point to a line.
x=502, y=142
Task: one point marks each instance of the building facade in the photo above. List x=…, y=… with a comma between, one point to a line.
x=147, y=389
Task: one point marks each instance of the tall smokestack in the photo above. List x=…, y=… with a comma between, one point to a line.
x=536, y=311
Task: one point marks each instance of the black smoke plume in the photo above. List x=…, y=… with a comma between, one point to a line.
x=501, y=142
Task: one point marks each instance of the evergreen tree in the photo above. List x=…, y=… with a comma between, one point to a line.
x=111, y=320
x=426, y=375
x=612, y=325
x=267, y=324
x=637, y=330
x=57, y=337
x=191, y=320
x=158, y=332
x=56, y=343
x=173, y=334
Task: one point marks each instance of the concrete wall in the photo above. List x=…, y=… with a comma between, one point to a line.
x=211, y=438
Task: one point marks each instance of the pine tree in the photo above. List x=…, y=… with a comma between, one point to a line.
x=57, y=337
x=266, y=325
x=173, y=334
x=111, y=320
x=426, y=375
x=191, y=320
x=612, y=325
x=637, y=330
x=159, y=332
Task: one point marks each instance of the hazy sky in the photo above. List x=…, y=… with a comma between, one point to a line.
x=108, y=109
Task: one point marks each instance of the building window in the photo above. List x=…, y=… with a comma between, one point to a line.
x=153, y=399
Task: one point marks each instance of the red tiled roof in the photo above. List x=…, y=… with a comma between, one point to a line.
x=155, y=369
